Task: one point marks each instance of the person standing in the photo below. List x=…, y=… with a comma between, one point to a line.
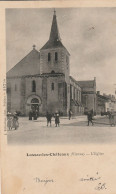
x=30, y=115
x=15, y=123
x=90, y=117
x=34, y=115
x=49, y=118
x=112, y=119
x=70, y=114
x=9, y=121
x=57, y=119
x=36, y=112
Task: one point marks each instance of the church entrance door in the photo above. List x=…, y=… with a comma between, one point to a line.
x=35, y=105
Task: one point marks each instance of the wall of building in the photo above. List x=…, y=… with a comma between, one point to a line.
x=62, y=65
x=29, y=92
x=101, y=104
x=56, y=99
x=75, y=98
x=89, y=101
x=110, y=106
x=59, y=66
x=14, y=97
x=49, y=99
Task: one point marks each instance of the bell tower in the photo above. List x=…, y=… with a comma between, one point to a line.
x=54, y=57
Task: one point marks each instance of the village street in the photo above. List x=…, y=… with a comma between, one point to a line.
x=70, y=131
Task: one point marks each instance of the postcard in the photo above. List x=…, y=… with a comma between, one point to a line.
x=58, y=97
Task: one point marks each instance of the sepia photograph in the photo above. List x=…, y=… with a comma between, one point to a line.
x=58, y=102
x=61, y=75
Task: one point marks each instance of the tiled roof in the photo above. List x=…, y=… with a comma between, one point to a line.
x=75, y=81
x=87, y=84
x=103, y=97
x=53, y=44
x=28, y=65
x=39, y=75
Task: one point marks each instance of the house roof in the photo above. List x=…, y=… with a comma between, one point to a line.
x=103, y=97
x=28, y=65
x=87, y=83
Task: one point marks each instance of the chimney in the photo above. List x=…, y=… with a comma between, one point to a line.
x=98, y=92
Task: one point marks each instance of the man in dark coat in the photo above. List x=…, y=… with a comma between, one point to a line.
x=30, y=115
x=49, y=118
x=90, y=117
x=34, y=115
x=70, y=114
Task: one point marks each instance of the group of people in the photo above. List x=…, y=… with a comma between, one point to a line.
x=111, y=115
x=12, y=121
x=33, y=115
x=49, y=118
x=89, y=116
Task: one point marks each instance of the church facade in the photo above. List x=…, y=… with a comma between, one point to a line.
x=41, y=80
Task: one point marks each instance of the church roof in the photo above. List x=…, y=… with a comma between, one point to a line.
x=46, y=75
x=28, y=65
x=54, y=39
x=87, y=84
x=54, y=34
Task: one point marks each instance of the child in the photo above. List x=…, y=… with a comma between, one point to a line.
x=57, y=119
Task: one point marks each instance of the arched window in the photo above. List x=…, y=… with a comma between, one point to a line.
x=52, y=86
x=35, y=100
x=33, y=86
x=52, y=71
x=56, y=56
x=49, y=56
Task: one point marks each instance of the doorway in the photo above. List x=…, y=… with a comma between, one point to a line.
x=35, y=105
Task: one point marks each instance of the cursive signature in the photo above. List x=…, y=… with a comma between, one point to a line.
x=101, y=186
x=43, y=181
x=91, y=178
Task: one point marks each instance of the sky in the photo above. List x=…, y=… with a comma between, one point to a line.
x=89, y=34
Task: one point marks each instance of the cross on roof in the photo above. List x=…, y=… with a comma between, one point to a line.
x=54, y=12
x=34, y=46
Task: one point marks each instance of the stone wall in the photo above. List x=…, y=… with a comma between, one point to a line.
x=50, y=99
x=59, y=66
x=14, y=97
x=89, y=101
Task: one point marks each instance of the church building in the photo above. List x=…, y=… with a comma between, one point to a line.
x=41, y=80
